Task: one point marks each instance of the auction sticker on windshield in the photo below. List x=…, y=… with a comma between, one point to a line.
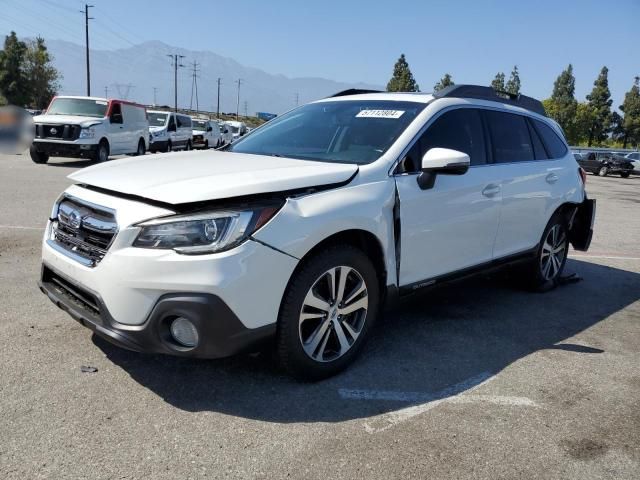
x=380, y=113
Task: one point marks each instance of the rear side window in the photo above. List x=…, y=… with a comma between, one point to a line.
x=459, y=129
x=509, y=137
x=555, y=146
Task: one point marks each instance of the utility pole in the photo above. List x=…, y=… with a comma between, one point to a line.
x=194, y=83
x=175, y=63
x=86, y=33
x=155, y=91
x=106, y=92
x=218, y=107
x=239, y=82
x=246, y=108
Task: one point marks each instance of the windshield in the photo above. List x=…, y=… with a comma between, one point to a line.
x=357, y=131
x=157, y=119
x=199, y=125
x=235, y=129
x=83, y=107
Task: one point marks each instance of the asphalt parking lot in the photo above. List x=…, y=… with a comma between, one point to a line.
x=480, y=380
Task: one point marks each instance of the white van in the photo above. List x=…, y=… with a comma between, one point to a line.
x=206, y=134
x=169, y=131
x=90, y=127
x=239, y=129
x=226, y=134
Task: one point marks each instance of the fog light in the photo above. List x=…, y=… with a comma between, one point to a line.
x=184, y=332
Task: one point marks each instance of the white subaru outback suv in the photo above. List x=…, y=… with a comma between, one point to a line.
x=303, y=229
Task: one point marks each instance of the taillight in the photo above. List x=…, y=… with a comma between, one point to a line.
x=583, y=175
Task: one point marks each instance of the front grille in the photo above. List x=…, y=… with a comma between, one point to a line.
x=84, y=229
x=62, y=132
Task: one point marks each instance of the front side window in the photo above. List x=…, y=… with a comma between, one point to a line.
x=83, y=107
x=509, y=137
x=351, y=131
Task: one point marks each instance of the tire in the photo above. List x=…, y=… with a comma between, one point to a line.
x=188, y=146
x=37, y=156
x=169, y=147
x=551, y=255
x=101, y=154
x=152, y=151
x=315, y=340
x=206, y=144
x=625, y=174
x=141, y=148
x=602, y=171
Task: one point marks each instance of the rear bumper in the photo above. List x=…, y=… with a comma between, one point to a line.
x=220, y=331
x=65, y=149
x=582, y=226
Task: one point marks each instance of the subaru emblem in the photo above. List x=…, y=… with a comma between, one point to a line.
x=75, y=220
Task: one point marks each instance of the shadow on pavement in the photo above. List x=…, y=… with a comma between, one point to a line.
x=440, y=344
x=70, y=163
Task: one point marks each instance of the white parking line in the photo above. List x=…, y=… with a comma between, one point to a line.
x=459, y=393
x=20, y=227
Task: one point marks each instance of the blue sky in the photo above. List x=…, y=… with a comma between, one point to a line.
x=354, y=40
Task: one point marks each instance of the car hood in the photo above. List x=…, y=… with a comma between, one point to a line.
x=67, y=119
x=156, y=129
x=195, y=176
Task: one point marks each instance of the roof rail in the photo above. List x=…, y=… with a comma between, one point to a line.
x=488, y=93
x=353, y=91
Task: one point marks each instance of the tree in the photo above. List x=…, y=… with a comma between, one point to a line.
x=444, y=82
x=513, y=85
x=13, y=84
x=584, y=118
x=41, y=74
x=600, y=103
x=402, y=80
x=631, y=109
x=498, y=82
x=563, y=105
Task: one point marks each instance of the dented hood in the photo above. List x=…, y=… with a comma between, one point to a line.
x=195, y=176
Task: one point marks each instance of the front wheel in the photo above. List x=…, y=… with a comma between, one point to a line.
x=188, y=146
x=37, y=156
x=327, y=313
x=602, y=171
x=625, y=174
x=102, y=152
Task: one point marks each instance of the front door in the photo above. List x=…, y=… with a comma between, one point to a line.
x=451, y=226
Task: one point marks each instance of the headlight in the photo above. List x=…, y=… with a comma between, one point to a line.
x=203, y=232
x=88, y=132
x=158, y=134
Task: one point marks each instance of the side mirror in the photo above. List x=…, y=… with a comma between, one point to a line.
x=116, y=118
x=442, y=161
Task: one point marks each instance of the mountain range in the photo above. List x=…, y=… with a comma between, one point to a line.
x=132, y=73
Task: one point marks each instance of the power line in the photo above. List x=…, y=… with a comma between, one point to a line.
x=175, y=63
x=239, y=82
x=86, y=33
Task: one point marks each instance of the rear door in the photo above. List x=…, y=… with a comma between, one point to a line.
x=117, y=131
x=453, y=225
x=533, y=178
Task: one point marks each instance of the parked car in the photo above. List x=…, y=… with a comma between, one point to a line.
x=305, y=228
x=634, y=158
x=239, y=129
x=90, y=127
x=605, y=163
x=170, y=131
x=206, y=133
x=226, y=134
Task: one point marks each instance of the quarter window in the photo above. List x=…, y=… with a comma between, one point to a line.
x=555, y=146
x=538, y=148
x=510, y=137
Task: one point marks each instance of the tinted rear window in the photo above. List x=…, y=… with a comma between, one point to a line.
x=555, y=146
x=510, y=137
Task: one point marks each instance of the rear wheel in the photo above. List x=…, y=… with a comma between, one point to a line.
x=188, y=146
x=625, y=174
x=327, y=312
x=206, y=144
x=37, y=156
x=602, y=171
x=551, y=255
x=141, y=148
x=169, y=147
x=102, y=152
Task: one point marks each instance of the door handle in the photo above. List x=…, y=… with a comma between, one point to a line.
x=491, y=190
x=551, y=178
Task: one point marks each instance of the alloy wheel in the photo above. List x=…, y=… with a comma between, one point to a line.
x=333, y=314
x=554, y=251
